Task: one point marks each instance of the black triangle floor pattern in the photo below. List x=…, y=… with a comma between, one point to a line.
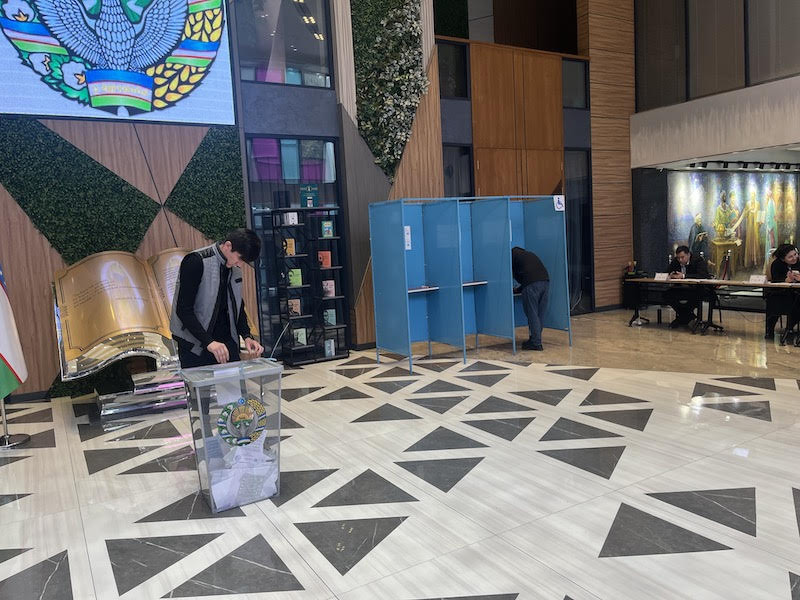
x=584, y=374
x=193, y=506
x=735, y=508
x=637, y=533
x=89, y=431
x=253, y=568
x=9, y=498
x=794, y=585
x=47, y=580
x=97, y=460
x=487, y=380
x=163, y=429
x=438, y=405
x=796, y=496
x=8, y=553
x=181, y=459
x=551, y=397
x=755, y=410
x=635, y=419
x=765, y=383
x=482, y=366
x=396, y=372
x=601, y=397
x=508, y=429
x=494, y=404
x=291, y=394
x=442, y=473
x=599, y=461
x=345, y=543
x=705, y=390
x=343, y=393
x=484, y=597
x=7, y=460
x=353, y=373
x=294, y=483
x=361, y=360
x=386, y=412
x=444, y=439
x=441, y=386
x=567, y=429
x=135, y=560
x=40, y=416
x=390, y=387
x=367, y=488
x=436, y=366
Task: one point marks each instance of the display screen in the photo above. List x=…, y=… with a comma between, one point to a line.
x=152, y=60
x=747, y=213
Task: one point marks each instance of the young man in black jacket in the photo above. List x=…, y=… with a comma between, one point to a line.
x=683, y=298
x=208, y=314
x=534, y=285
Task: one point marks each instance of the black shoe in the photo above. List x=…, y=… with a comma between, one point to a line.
x=784, y=337
x=531, y=346
x=676, y=323
x=770, y=335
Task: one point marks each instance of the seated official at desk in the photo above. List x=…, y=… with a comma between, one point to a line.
x=684, y=299
x=784, y=268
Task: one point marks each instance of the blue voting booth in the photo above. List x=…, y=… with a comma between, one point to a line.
x=441, y=268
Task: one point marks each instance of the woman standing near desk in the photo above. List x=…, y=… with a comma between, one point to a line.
x=784, y=269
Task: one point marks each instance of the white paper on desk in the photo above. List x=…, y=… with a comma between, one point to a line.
x=661, y=276
x=758, y=279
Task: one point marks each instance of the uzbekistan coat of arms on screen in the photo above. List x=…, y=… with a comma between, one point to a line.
x=122, y=56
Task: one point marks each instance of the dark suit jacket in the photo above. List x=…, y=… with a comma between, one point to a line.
x=696, y=269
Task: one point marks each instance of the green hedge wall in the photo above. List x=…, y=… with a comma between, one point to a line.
x=79, y=206
x=390, y=76
x=210, y=193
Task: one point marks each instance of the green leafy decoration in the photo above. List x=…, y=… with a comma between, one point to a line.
x=76, y=203
x=210, y=193
x=390, y=76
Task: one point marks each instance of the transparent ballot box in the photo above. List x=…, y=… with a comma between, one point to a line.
x=235, y=412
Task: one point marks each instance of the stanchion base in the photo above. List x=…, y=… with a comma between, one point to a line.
x=13, y=440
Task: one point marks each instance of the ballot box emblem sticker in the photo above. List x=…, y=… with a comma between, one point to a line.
x=242, y=422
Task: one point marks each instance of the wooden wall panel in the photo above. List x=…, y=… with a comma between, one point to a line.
x=610, y=133
x=420, y=173
x=168, y=149
x=610, y=33
x=606, y=29
x=343, y=61
x=612, y=101
x=497, y=172
x=113, y=145
x=545, y=172
x=493, y=98
x=542, y=107
x=29, y=262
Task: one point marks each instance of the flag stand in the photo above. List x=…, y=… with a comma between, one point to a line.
x=7, y=440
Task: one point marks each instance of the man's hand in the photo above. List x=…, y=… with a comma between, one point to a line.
x=676, y=275
x=220, y=351
x=253, y=347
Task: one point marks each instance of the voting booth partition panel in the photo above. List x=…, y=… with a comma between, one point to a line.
x=442, y=268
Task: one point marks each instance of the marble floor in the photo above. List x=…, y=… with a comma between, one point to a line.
x=493, y=480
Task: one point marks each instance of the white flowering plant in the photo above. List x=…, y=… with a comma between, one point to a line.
x=390, y=76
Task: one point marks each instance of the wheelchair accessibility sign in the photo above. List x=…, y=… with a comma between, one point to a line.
x=558, y=203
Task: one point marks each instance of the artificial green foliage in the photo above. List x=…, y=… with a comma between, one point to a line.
x=76, y=203
x=390, y=76
x=210, y=193
x=451, y=18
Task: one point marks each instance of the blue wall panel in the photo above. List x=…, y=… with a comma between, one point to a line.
x=465, y=220
x=441, y=227
x=517, y=225
x=390, y=288
x=545, y=235
x=415, y=258
x=491, y=255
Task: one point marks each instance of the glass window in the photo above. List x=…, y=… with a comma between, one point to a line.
x=457, y=171
x=774, y=45
x=283, y=41
x=660, y=53
x=453, y=78
x=573, y=75
x=579, y=227
x=716, y=46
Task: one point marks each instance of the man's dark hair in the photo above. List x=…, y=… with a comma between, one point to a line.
x=680, y=249
x=245, y=242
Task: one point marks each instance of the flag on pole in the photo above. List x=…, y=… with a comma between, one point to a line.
x=13, y=371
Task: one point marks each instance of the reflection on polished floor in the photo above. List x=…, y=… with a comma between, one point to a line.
x=496, y=480
x=605, y=340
